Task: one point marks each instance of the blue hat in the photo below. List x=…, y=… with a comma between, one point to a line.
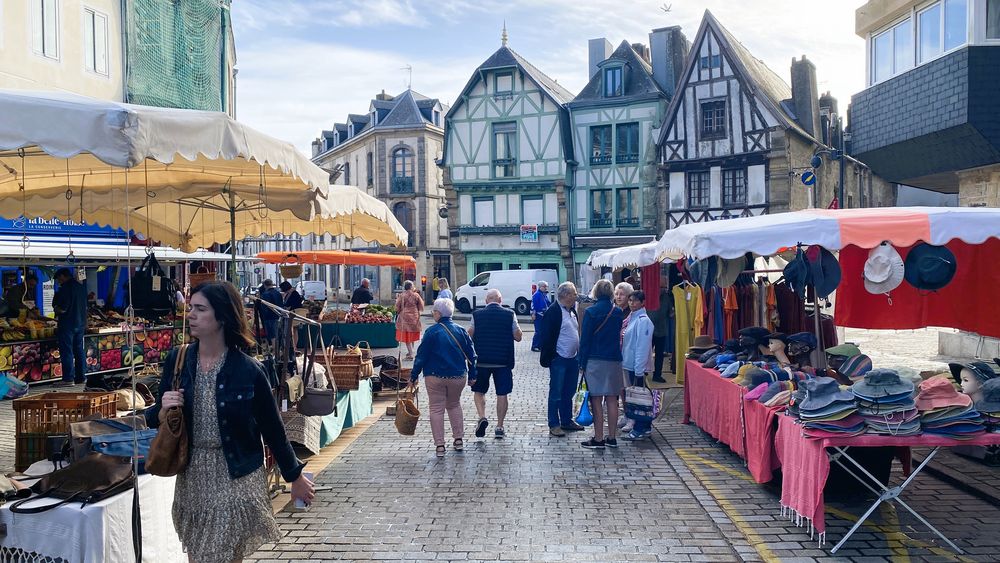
x=929, y=267
x=797, y=274
x=825, y=272
x=821, y=391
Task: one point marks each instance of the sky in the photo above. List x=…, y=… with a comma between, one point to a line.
x=305, y=64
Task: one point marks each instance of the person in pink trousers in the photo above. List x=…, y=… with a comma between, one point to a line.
x=447, y=360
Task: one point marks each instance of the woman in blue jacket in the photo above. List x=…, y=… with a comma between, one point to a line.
x=601, y=362
x=447, y=359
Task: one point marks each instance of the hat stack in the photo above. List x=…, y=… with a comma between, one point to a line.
x=946, y=412
x=828, y=411
x=885, y=401
x=855, y=367
x=776, y=388
x=989, y=406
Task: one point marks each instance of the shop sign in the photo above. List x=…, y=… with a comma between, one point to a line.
x=529, y=233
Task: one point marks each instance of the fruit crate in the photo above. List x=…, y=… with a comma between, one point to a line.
x=49, y=414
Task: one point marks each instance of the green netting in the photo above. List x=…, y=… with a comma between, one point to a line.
x=177, y=53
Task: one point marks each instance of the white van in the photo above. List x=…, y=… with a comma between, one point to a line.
x=516, y=286
x=312, y=290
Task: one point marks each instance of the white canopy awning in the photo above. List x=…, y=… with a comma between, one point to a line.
x=637, y=255
x=57, y=254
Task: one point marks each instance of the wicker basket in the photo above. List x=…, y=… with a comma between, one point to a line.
x=407, y=416
x=395, y=378
x=50, y=414
x=201, y=276
x=291, y=268
x=344, y=369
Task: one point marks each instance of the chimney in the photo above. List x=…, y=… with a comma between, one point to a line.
x=828, y=119
x=383, y=97
x=600, y=49
x=805, y=95
x=642, y=51
x=668, y=50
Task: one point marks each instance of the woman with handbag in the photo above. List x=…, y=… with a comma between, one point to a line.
x=637, y=357
x=447, y=359
x=601, y=363
x=409, y=305
x=222, y=511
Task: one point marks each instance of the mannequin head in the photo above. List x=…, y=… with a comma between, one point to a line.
x=776, y=346
x=971, y=376
x=971, y=385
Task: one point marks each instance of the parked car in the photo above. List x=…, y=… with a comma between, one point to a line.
x=516, y=286
x=312, y=290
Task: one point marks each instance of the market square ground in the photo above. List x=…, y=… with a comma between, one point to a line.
x=531, y=497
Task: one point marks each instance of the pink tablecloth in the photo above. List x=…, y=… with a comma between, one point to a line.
x=714, y=404
x=805, y=465
x=761, y=425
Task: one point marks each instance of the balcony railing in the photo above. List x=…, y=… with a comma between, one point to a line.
x=626, y=158
x=402, y=185
x=601, y=223
x=505, y=167
x=598, y=160
x=628, y=222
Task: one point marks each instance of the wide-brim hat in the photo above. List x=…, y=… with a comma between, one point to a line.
x=730, y=270
x=798, y=274
x=856, y=366
x=938, y=392
x=991, y=397
x=703, y=272
x=981, y=370
x=929, y=267
x=846, y=349
x=821, y=392
x=701, y=343
x=883, y=271
x=882, y=382
x=824, y=270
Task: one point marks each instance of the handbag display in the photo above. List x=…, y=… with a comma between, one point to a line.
x=91, y=479
x=581, y=405
x=293, y=389
x=124, y=443
x=153, y=293
x=168, y=451
x=316, y=401
x=81, y=434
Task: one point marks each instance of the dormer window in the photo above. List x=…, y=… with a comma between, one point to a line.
x=437, y=118
x=503, y=85
x=350, y=130
x=374, y=118
x=613, y=82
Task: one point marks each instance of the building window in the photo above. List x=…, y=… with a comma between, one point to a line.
x=505, y=150
x=347, y=173
x=503, y=82
x=374, y=118
x=600, y=144
x=941, y=27
x=613, y=82
x=734, y=187
x=706, y=63
x=95, y=41
x=713, y=119
x=993, y=19
x=45, y=28
x=532, y=210
x=601, y=208
x=402, y=171
x=482, y=212
x=371, y=169
x=698, y=187
x=437, y=118
x=404, y=214
x=892, y=51
x=628, y=207
x=627, y=147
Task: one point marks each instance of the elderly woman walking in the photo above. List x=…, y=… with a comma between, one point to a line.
x=601, y=363
x=409, y=305
x=447, y=359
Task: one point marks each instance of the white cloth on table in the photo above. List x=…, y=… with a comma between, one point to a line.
x=97, y=533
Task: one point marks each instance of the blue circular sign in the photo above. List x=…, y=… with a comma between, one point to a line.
x=808, y=178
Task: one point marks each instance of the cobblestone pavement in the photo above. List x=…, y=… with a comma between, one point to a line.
x=679, y=497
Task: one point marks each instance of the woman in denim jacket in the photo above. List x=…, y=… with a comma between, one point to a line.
x=221, y=508
x=447, y=359
x=601, y=363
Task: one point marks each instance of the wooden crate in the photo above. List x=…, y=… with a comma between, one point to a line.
x=49, y=414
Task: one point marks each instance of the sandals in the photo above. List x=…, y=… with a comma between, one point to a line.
x=439, y=451
x=458, y=445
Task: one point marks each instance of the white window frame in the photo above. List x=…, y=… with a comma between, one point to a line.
x=478, y=221
x=971, y=7
x=36, y=18
x=91, y=16
x=891, y=30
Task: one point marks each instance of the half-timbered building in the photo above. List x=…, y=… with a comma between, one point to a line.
x=505, y=150
x=736, y=138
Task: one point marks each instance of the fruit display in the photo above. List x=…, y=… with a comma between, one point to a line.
x=333, y=316
x=369, y=315
x=133, y=356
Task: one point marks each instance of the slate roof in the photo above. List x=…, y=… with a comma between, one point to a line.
x=505, y=56
x=639, y=81
x=406, y=112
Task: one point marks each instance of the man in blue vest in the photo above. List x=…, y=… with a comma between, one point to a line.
x=539, y=303
x=494, y=331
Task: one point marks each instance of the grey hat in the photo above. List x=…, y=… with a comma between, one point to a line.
x=981, y=370
x=991, y=397
x=882, y=382
x=821, y=391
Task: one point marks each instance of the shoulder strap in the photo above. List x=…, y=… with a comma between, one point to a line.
x=455, y=340
x=608, y=316
x=179, y=365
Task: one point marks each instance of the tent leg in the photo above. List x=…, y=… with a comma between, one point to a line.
x=232, y=236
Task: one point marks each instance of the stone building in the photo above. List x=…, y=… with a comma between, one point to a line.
x=391, y=152
x=737, y=139
x=930, y=114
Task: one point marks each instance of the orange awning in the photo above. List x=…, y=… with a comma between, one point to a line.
x=340, y=257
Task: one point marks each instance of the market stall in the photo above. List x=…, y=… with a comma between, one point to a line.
x=345, y=324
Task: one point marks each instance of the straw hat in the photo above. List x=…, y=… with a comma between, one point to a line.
x=884, y=269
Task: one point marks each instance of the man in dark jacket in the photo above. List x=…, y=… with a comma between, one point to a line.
x=70, y=306
x=560, y=344
x=268, y=316
x=362, y=294
x=494, y=331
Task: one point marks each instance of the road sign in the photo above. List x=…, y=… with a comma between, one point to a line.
x=808, y=178
x=529, y=233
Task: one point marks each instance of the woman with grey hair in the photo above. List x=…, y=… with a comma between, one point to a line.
x=447, y=359
x=409, y=305
x=601, y=363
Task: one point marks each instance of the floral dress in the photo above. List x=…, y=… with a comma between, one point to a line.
x=218, y=519
x=409, y=305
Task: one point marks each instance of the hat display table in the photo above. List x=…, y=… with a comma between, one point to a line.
x=806, y=465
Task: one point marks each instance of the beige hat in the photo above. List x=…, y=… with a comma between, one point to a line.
x=883, y=269
x=729, y=270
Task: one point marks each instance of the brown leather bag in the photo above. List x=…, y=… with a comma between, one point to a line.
x=168, y=453
x=91, y=479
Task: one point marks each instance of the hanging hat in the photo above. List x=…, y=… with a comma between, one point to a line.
x=939, y=392
x=855, y=367
x=929, y=267
x=801, y=343
x=824, y=271
x=797, y=274
x=846, y=349
x=882, y=382
x=981, y=370
x=883, y=269
x=991, y=397
x=821, y=392
x=703, y=272
x=729, y=270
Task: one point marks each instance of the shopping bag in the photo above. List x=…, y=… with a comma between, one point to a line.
x=581, y=405
x=639, y=403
